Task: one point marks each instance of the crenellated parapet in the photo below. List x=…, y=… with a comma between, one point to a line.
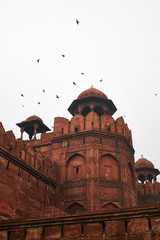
x=25, y=151
x=104, y=124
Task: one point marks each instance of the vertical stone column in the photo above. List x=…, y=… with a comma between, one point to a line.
x=35, y=131
x=22, y=130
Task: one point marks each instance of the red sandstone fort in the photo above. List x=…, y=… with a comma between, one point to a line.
x=79, y=181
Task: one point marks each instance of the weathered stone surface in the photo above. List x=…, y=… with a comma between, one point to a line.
x=88, y=226
x=17, y=235
x=138, y=225
x=52, y=232
x=72, y=231
x=3, y=235
x=93, y=229
x=114, y=227
x=155, y=223
x=34, y=233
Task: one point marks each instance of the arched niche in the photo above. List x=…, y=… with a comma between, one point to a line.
x=85, y=111
x=150, y=177
x=77, y=123
x=141, y=178
x=76, y=167
x=109, y=168
x=110, y=206
x=107, y=123
x=99, y=110
x=131, y=180
x=75, y=208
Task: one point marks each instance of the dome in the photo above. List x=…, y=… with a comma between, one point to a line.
x=92, y=92
x=143, y=163
x=31, y=118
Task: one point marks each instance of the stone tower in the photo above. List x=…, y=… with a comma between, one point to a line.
x=94, y=155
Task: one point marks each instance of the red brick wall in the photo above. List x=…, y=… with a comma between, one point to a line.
x=125, y=224
x=20, y=192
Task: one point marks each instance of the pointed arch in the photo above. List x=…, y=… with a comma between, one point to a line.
x=75, y=208
x=77, y=123
x=110, y=205
x=107, y=123
x=141, y=178
x=85, y=111
x=150, y=177
x=76, y=167
x=109, y=168
x=99, y=110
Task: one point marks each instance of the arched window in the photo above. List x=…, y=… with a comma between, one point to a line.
x=108, y=129
x=99, y=111
x=76, y=167
x=85, y=111
x=149, y=177
x=76, y=129
x=141, y=178
x=75, y=208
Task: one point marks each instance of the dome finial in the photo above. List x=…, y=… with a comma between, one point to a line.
x=92, y=86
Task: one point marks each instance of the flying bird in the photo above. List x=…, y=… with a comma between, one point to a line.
x=77, y=21
x=101, y=80
x=74, y=83
x=63, y=55
x=22, y=105
x=57, y=96
x=82, y=73
x=22, y=95
x=43, y=90
x=38, y=60
x=155, y=94
x=39, y=103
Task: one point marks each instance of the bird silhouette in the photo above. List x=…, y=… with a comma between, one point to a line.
x=155, y=94
x=57, y=96
x=22, y=95
x=74, y=83
x=39, y=103
x=82, y=73
x=22, y=105
x=77, y=21
x=63, y=55
x=101, y=80
x=38, y=60
x=43, y=90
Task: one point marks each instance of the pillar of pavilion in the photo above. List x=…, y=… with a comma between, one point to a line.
x=32, y=125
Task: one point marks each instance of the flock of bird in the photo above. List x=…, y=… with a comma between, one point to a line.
x=82, y=73
x=38, y=61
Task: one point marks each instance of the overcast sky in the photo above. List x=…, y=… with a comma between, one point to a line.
x=116, y=40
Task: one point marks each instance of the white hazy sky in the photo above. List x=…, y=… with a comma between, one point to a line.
x=116, y=40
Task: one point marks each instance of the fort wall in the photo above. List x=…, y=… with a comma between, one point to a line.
x=140, y=223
